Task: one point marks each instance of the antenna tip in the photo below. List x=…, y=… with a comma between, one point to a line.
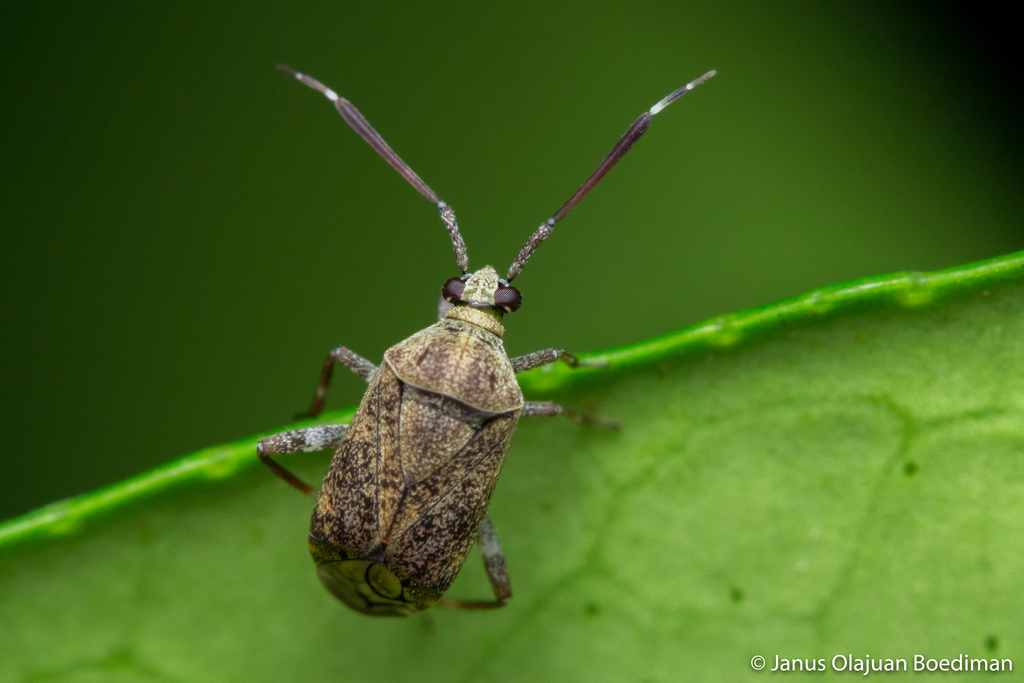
x=693, y=84
x=680, y=92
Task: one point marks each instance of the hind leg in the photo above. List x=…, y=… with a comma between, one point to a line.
x=497, y=573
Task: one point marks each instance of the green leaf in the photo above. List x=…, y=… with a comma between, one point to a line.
x=840, y=473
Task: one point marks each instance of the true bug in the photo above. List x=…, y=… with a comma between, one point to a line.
x=408, y=489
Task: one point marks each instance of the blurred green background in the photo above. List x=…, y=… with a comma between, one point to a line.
x=187, y=231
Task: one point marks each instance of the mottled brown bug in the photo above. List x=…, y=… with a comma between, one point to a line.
x=408, y=489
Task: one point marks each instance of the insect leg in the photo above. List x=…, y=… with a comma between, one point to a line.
x=539, y=358
x=494, y=562
x=298, y=441
x=352, y=361
x=497, y=572
x=548, y=409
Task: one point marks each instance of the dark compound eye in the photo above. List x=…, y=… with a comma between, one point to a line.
x=453, y=289
x=508, y=298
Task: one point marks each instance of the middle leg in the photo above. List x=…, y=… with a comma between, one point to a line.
x=298, y=441
x=549, y=409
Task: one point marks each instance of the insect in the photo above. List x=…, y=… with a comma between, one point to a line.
x=407, y=491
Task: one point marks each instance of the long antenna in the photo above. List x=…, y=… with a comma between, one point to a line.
x=620, y=149
x=360, y=125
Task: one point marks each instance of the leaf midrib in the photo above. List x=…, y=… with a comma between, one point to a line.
x=909, y=290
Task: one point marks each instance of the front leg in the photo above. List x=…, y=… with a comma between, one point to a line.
x=352, y=361
x=539, y=358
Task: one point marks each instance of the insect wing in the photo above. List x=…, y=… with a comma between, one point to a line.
x=437, y=521
x=364, y=483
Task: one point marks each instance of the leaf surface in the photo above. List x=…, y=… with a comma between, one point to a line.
x=840, y=473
